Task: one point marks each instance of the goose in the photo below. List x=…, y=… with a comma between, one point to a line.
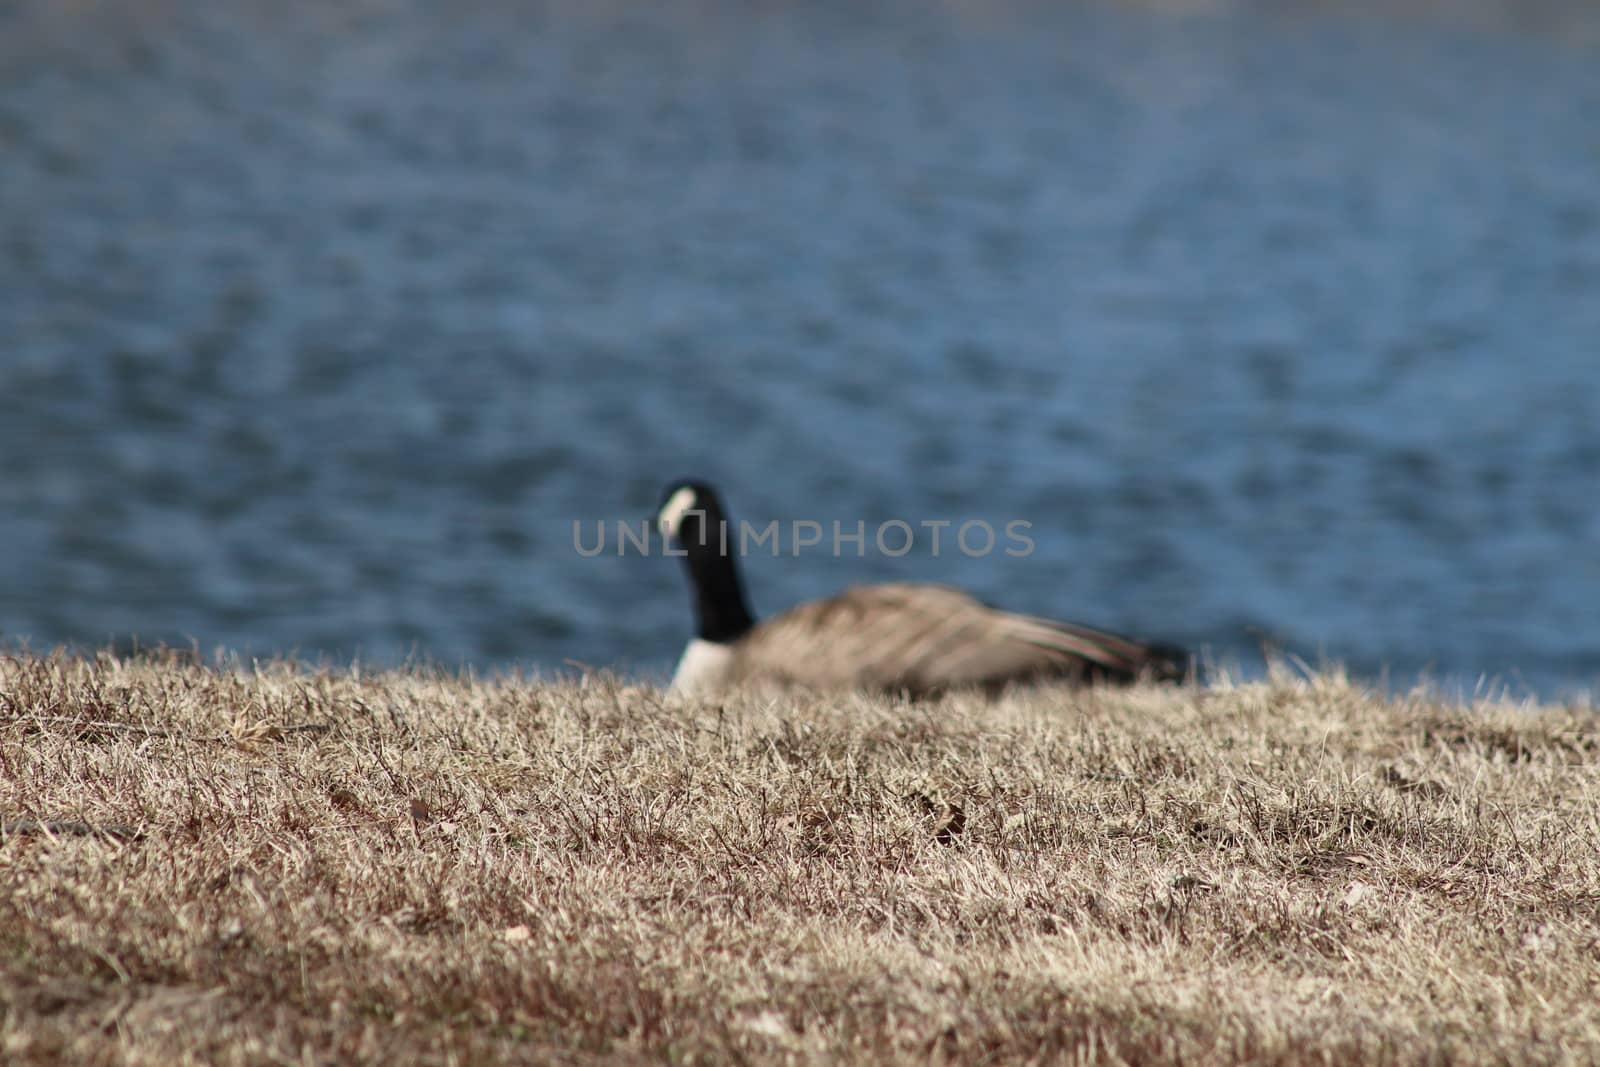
x=912, y=638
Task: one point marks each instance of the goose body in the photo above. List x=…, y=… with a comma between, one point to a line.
x=917, y=638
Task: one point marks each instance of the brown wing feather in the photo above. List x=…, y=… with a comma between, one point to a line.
x=922, y=638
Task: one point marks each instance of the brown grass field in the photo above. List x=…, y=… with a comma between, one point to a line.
x=273, y=864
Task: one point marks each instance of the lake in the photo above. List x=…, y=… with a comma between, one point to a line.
x=1278, y=325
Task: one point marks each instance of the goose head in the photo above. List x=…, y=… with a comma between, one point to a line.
x=691, y=514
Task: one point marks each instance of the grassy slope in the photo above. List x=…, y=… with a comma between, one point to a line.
x=461, y=871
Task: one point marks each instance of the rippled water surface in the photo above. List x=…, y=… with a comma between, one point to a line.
x=323, y=322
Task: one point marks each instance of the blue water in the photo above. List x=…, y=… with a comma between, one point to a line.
x=323, y=323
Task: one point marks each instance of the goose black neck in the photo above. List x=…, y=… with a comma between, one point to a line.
x=721, y=612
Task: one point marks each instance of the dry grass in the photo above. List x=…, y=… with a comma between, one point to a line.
x=312, y=867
